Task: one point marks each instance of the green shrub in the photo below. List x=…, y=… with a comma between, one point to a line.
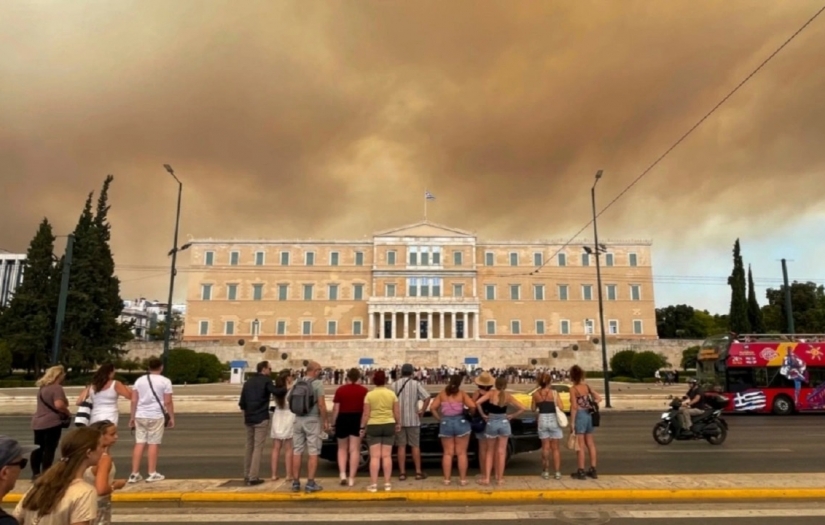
x=183, y=366
x=204, y=380
x=15, y=383
x=621, y=364
x=645, y=364
x=211, y=368
x=5, y=359
x=690, y=356
x=622, y=379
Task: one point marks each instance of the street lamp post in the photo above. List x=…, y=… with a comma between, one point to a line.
x=597, y=250
x=174, y=253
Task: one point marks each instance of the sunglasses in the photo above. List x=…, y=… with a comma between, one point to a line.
x=20, y=463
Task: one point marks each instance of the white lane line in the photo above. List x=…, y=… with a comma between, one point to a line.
x=716, y=450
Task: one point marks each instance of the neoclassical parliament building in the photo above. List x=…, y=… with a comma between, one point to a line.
x=423, y=281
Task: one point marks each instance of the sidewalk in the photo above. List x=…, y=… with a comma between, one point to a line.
x=708, y=487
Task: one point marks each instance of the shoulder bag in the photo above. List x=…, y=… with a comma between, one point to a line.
x=65, y=420
x=166, y=416
x=561, y=417
x=84, y=410
x=594, y=407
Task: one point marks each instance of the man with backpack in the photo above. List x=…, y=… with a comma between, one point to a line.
x=307, y=402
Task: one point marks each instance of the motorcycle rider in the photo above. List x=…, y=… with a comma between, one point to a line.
x=693, y=405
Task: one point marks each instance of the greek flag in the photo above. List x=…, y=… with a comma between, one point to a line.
x=750, y=400
x=429, y=196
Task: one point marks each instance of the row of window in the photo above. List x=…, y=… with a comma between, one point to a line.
x=230, y=327
x=426, y=287
x=418, y=256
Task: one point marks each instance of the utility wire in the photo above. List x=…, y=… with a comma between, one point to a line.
x=686, y=135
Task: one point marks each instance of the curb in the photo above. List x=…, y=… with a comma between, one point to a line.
x=459, y=496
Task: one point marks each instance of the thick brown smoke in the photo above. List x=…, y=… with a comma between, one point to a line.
x=329, y=119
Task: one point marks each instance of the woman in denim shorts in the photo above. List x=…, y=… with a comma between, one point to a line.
x=546, y=400
x=498, y=429
x=582, y=420
x=454, y=427
x=484, y=382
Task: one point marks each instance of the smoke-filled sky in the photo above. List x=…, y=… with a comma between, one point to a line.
x=296, y=119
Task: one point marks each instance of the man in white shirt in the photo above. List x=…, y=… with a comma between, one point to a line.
x=151, y=407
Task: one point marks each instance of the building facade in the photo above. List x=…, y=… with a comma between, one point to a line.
x=144, y=315
x=422, y=281
x=11, y=274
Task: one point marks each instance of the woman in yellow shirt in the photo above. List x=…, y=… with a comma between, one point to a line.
x=380, y=423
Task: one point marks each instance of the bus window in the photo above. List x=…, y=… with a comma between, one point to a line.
x=740, y=379
x=777, y=380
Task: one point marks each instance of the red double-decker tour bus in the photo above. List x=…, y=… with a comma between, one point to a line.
x=766, y=373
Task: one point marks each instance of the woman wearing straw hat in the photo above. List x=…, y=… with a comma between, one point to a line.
x=484, y=382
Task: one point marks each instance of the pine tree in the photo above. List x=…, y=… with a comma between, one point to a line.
x=754, y=312
x=738, y=300
x=27, y=325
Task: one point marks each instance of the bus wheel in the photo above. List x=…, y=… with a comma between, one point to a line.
x=782, y=405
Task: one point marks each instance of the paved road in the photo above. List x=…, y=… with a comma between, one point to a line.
x=211, y=446
x=738, y=514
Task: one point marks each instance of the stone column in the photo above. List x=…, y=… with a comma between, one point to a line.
x=441, y=323
x=406, y=325
x=429, y=325
x=455, y=324
x=417, y=327
x=371, y=333
x=476, y=326
x=393, y=335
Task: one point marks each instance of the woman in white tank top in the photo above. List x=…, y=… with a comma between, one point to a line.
x=104, y=393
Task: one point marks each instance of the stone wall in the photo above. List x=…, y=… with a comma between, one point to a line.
x=346, y=354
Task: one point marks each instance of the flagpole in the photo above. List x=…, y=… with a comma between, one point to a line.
x=425, y=205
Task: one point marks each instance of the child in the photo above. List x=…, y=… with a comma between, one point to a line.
x=282, y=421
x=102, y=476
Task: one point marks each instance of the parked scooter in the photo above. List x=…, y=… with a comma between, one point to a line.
x=709, y=425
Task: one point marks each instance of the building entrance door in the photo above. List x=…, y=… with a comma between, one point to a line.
x=459, y=329
x=423, y=329
x=388, y=329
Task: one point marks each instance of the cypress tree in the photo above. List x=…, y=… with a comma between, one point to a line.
x=27, y=325
x=738, y=319
x=754, y=312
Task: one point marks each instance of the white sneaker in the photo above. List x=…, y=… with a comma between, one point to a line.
x=155, y=476
x=135, y=477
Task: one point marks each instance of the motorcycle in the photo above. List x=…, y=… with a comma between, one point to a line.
x=709, y=425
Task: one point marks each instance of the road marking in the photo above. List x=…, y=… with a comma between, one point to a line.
x=716, y=450
x=153, y=516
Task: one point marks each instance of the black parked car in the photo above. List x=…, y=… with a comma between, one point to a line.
x=525, y=438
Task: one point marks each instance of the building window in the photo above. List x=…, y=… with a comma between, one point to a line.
x=358, y=292
x=539, y=327
x=425, y=257
x=608, y=259
x=632, y=259
x=538, y=259
x=635, y=292
x=613, y=327
x=587, y=292
x=257, y=292
x=588, y=326
x=413, y=256
x=562, y=259
x=436, y=256
x=490, y=292
x=332, y=292
x=515, y=292
x=489, y=259
x=283, y=292
x=255, y=328
x=637, y=326
x=538, y=292
x=458, y=290
x=359, y=258
x=333, y=259
x=356, y=327
x=229, y=328
x=611, y=292
x=203, y=328
x=307, y=292
x=424, y=287
x=585, y=259
x=306, y=328
x=458, y=259
x=209, y=258
x=234, y=258
x=332, y=328
x=309, y=258
x=436, y=287
x=391, y=258
x=232, y=292
x=281, y=328
x=564, y=327
x=412, y=287
x=206, y=292
x=284, y=258
x=515, y=327
x=259, y=258
x=564, y=292
x=389, y=290
x=491, y=328
x=513, y=259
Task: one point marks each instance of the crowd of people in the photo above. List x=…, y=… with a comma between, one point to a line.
x=441, y=375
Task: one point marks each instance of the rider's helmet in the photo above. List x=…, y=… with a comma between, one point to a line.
x=692, y=381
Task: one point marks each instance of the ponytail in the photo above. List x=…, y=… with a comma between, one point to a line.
x=501, y=386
